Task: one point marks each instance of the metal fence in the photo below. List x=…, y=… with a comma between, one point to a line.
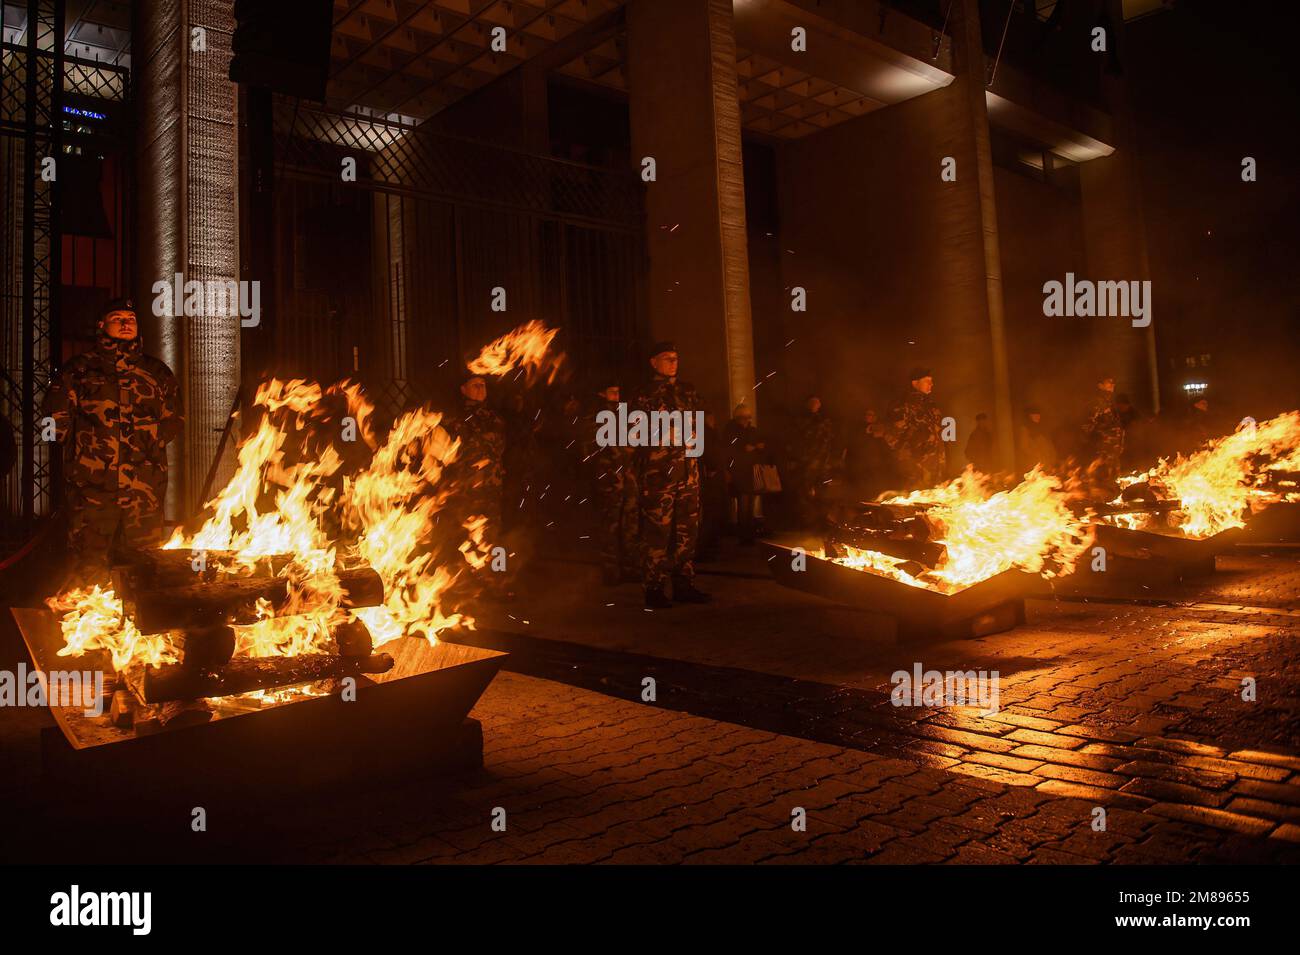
x=31, y=124
x=390, y=277
x=40, y=120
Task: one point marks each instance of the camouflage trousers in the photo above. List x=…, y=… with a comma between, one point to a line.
x=924, y=469
x=670, y=520
x=1106, y=470
x=810, y=485
x=101, y=523
x=618, y=513
x=483, y=500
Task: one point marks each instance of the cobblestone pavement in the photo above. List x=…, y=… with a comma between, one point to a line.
x=584, y=777
x=1133, y=709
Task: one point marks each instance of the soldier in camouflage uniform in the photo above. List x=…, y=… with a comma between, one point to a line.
x=612, y=475
x=917, y=437
x=478, y=471
x=814, y=455
x=1103, y=433
x=670, y=490
x=115, y=409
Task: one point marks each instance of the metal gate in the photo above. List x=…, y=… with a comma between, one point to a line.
x=390, y=276
x=30, y=132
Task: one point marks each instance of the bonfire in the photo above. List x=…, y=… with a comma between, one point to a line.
x=1217, y=487
x=295, y=513
x=979, y=532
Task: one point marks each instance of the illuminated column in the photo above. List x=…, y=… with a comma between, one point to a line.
x=1114, y=231
x=686, y=117
x=970, y=81
x=187, y=215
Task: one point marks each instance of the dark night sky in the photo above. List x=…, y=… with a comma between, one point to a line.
x=1211, y=84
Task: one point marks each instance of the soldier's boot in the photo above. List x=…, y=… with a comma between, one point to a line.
x=655, y=599
x=685, y=592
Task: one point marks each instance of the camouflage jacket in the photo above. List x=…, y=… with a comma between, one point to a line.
x=919, y=433
x=1104, y=428
x=482, y=434
x=666, y=394
x=598, y=459
x=814, y=447
x=115, y=409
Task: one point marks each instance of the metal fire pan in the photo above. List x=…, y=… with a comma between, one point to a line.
x=986, y=607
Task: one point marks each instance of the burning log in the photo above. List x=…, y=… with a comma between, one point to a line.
x=1137, y=507
x=897, y=531
x=174, y=714
x=152, y=569
x=889, y=516
x=121, y=712
x=1140, y=491
x=207, y=647
x=175, y=682
x=202, y=605
x=353, y=639
x=924, y=552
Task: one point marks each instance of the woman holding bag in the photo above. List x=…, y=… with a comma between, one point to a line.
x=747, y=469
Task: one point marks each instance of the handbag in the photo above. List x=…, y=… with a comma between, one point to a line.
x=767, y=479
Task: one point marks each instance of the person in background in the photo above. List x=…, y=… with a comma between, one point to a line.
x=1197, y=426
x=745, y=448
x=670, y=490
x=918, y=434
x=560, y=438
x=115, y=410
x=1137, y=434
x=1034, y=445
x=478, y=471
x=979, y=446
x=813, y=456
x=713, y=489
x=521, y=459
x=1103, y=435
x=868, y=459
x=612, y=478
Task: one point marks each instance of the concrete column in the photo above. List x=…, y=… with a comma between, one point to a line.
x=971, y=83
x=187, y=215
x=1116, y=241
x=685, y=114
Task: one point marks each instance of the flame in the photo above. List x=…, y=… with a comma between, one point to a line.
x=394, y=503
x=93, y=619
x=526, y=348
x=1218, y=486
x=1029, y=527
x=290, y=500
x=475, y=548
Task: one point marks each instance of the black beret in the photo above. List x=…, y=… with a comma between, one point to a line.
x=658, y=348
x=118, y=305
x=918, y=373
